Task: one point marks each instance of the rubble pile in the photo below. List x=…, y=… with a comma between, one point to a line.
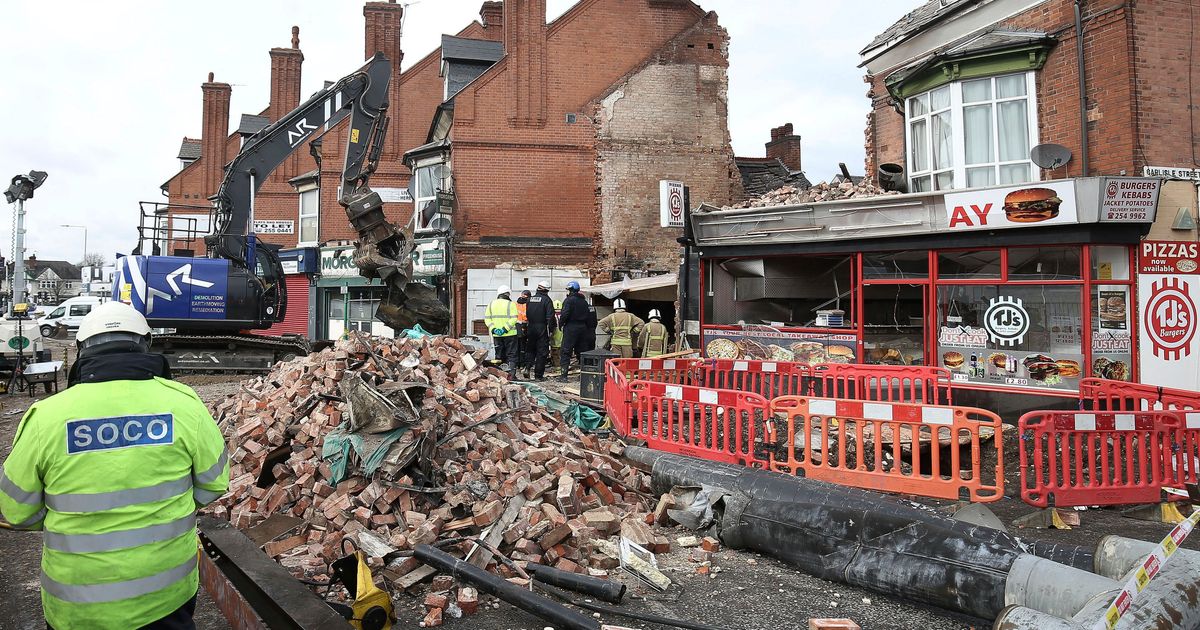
x=824, y=191
x=395, y=443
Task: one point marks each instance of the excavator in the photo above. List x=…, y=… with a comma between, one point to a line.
x=213, y=303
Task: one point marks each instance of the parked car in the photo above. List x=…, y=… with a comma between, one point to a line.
x=69, y=313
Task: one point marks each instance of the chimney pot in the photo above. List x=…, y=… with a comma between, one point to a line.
x=296, y=37
x=210, y=77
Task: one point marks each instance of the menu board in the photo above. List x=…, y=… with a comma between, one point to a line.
x=972, y=357
x=775, y=345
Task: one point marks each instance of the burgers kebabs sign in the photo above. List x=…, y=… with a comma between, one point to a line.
x=1028, y=205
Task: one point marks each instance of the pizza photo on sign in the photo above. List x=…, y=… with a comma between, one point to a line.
x=1031, y=205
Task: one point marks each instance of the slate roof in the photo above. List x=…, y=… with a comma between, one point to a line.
x=996, y=39
x=189, y=149
x=463, y=49
x=252, y=124
x=762, y=175
x=917, y=19
x=61, y=268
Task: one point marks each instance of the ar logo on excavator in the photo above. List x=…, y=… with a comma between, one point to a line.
x=300, y=132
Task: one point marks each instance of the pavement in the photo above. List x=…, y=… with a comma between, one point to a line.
x=746, y=591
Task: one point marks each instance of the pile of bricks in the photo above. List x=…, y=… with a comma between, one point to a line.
x=824, y=191
x=481, y=459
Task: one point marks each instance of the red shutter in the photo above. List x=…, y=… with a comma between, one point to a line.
x=296, y=321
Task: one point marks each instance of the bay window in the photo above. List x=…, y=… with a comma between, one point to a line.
x=972, y=133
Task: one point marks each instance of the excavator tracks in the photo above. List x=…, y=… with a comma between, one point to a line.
x=227, y=354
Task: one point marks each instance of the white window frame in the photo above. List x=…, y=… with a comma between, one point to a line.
x=314, y=194
x=421, y=196
x=957, y=140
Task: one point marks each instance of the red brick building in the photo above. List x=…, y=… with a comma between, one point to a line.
x=551, y=138
x=1013, y=67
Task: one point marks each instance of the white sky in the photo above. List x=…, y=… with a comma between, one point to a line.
x=100, y=94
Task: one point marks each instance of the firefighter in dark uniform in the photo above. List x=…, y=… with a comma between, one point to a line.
x=574, y=320
x=539, y=315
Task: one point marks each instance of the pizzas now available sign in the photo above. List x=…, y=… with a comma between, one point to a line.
x=1026, y=205
x=1169, y=300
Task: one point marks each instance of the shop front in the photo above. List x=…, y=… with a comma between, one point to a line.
x=345, y=300
x=299, y=276
x=1014, y=290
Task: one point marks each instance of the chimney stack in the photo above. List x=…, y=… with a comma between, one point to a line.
x=383, y=32
x=786, y=146
x=491, y=15
x=525, y=48
x=214, y=131
x=285, y=78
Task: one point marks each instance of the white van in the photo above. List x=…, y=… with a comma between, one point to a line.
x=69, y=313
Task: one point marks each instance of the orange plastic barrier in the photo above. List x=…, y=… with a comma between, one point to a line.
x=674, y=371
x=1072, y=458
x=892, y=447
x=715, y=424
x=915, y=384
x=1098, y=394
x=765, y=378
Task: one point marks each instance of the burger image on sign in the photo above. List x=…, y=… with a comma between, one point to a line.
x=1031, y=205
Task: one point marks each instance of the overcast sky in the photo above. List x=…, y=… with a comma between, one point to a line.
x=99, y=94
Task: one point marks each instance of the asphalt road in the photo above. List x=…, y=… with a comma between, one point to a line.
x=748, y=591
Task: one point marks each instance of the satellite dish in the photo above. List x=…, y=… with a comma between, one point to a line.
x=441, y=224
x=1050, y=156
x=441, y=171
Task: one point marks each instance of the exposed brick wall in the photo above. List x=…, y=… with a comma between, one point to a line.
x=668, y=120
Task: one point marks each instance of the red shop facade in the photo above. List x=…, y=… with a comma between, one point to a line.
x=1019, y=291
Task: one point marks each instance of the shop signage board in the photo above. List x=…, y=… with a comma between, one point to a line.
x=1026, y=205
x=429, y=257
x=670, y=203
x=290, y=266
x=262, y=226
x=338, y=262
x=766, y=344
x=1129, y=199
x=1169, y=295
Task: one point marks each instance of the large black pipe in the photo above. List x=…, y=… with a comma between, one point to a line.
x=859, y=537
x=603, y=590
x=560, y=616
x=1080, y=69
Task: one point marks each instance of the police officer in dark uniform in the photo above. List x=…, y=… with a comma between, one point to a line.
x=590, y=338
x=573, y=319
x=539, y=312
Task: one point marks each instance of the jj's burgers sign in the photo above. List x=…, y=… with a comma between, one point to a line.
x=1027, y=205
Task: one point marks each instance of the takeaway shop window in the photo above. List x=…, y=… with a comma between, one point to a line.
x=893, y=324
x=1043, y=263
x=969, y=265
x=788, y=291
x=1112, y=333
x=1028, y=336
x=896, y=265
x=1110, y=262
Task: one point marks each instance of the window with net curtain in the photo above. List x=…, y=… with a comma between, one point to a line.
x=309, y=213
x=972, y=133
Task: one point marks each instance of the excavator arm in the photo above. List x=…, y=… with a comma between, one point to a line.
x=383, y=250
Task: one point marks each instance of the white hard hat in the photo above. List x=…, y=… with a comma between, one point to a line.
x=502, y=290
x=544, y=285
x=654, y=314
x=618, y=303
x=111, y=321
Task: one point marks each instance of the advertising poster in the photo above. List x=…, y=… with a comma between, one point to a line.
x=773, y=345
x=1112, y=354
x=978, y=355
x=1112, y=311
x=1169, y=300
x=1027, y=205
